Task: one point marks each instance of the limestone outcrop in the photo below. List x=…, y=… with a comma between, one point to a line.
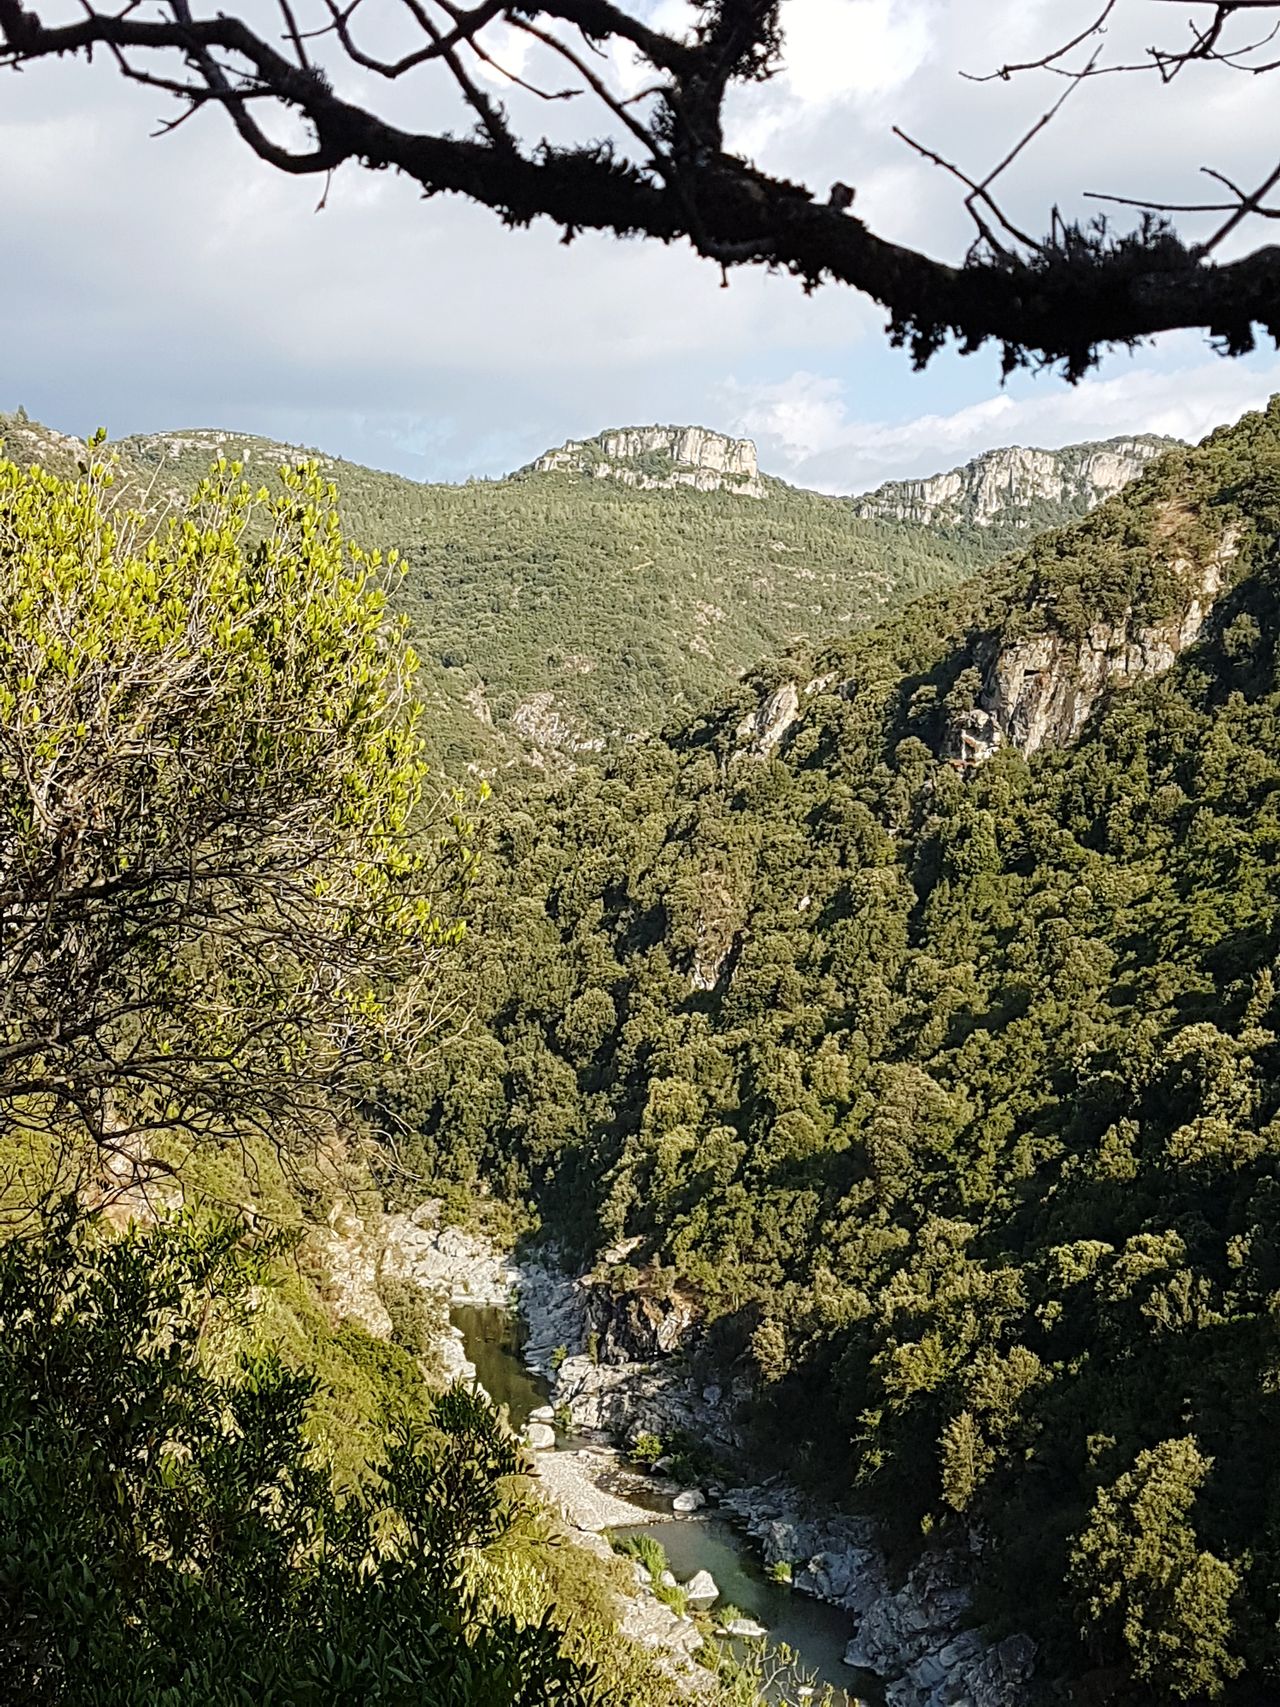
x=540, y=721
x=761, y=731
x=348, y=1253
x=1010, y=487
x=1039, y=690
x=662, y=457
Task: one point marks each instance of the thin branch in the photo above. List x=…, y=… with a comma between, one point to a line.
x=642, y=134
x=977, y=193
x=1047, y=61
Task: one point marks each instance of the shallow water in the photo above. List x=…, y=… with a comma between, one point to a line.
x=491, y=1338
x=818, y=1632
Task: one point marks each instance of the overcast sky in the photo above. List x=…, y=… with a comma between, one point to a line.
x=179, y=282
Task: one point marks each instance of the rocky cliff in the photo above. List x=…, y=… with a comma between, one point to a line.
x=1016, y=487
x=1039, y=689
x=661, y=457
x=633, y=1368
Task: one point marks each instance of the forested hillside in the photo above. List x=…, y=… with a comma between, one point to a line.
x=232, y=1468
x=555, y=611
x=942, y=1074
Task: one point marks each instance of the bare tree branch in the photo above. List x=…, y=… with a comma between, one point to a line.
x=655, y=164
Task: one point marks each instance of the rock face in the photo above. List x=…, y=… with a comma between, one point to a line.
x=462, y=1266
x=632, y=1398
x=917, y=1636
x=635, y=1327
x=762, y=730
x=1009, y=488
x=634, y=1382
x=661, y=457
x=356, y=1256
x=555, y=1315
x=1039, y=690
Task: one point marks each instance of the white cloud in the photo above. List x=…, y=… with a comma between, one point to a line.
x=853, y=49
x=179, y=282
x=806, y=431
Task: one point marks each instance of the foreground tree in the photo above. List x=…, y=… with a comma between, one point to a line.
x=221, y=874
x=660, y=167
x=166, y=1536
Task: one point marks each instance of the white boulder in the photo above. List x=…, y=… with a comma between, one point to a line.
x=701, y=1590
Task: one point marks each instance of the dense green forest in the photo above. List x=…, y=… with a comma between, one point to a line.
x=951, y=1093
x=947, y=1091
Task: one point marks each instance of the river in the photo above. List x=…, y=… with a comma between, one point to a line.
x=818, y=1632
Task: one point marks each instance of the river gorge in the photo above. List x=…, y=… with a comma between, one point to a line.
x=609, y=1364
x=699, y=1541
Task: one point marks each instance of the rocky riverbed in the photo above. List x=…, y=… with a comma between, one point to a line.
x=917, y=1634
x=590, y=1488
x=614, y=1369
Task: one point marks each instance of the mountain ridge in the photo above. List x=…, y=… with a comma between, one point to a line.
x=691, y=447
x=555, y=614
x=566, y=607
x=1010, y=486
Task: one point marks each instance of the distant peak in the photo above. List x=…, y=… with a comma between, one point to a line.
x=660, y=457
x=1009, y=487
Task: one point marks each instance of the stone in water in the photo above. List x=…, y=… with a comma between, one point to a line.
x=701, y=1590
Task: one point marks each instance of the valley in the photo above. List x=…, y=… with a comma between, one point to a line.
x=640, y=981
x=903, y=1024
x=852, y=1035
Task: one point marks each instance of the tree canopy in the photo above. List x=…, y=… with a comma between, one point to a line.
x=654, y=163
x=225, y=886
x=166, y=1534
